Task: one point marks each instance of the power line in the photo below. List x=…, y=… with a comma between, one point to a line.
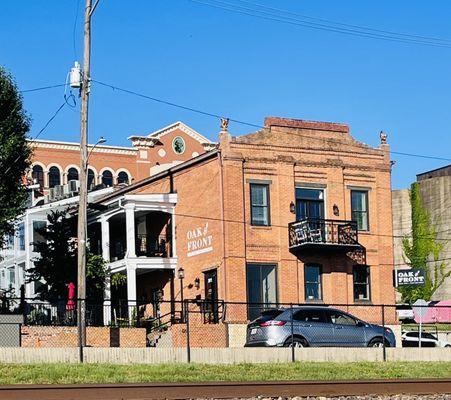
x=42, y=88
x=282, y=11
x=293, y=21
x=39, y=133
x=218, y=116
x=173, y=104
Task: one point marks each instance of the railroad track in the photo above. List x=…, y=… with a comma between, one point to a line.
x=225, y=390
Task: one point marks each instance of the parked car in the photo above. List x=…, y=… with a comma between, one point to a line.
x=315, y=326
x=405, y=313
x=412, y=339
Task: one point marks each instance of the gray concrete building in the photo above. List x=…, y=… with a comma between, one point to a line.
x=435, y=189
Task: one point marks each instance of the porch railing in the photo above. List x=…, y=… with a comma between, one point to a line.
x=149, y=245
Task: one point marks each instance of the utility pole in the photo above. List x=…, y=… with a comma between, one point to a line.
x=83, y=204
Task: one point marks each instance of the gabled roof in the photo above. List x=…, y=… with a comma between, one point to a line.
x=181, y=126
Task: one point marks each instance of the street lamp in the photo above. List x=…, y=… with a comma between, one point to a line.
x=100, y=141
x=181, y=276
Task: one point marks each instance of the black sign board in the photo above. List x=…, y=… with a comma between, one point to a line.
x=409, y=277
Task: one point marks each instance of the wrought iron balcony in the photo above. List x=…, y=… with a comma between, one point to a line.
x=314, y=233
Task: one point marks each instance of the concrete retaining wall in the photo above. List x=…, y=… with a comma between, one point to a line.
x=217, y=356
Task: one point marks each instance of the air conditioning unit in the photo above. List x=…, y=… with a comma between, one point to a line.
x=74, y=187
x=59, y=191
x=66, y=191
x=51, y=195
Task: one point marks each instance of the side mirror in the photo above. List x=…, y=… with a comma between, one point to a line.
x=360, y=323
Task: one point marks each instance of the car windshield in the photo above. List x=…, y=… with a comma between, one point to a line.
x=268, y=315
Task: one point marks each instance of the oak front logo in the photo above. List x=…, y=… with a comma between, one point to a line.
x=410, y=277
x=199, y=240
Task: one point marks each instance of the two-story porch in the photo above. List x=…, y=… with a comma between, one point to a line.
x=135, y=234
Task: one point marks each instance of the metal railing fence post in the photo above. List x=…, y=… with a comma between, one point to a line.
x=293, y=353
x=188, y=348
x=384, y=349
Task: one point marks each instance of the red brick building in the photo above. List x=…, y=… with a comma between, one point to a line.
x=296, y=212
x=55, y=163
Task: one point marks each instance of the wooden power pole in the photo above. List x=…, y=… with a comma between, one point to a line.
x=83, y=204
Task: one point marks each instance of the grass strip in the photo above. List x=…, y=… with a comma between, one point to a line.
x=113, y=373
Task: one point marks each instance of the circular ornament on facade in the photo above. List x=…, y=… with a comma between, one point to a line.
x=162, y=152
x=195, y=154
x=178, y=145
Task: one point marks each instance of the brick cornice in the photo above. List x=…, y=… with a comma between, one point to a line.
x=303, y=124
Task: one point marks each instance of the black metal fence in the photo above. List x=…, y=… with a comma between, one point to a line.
x=219, y=324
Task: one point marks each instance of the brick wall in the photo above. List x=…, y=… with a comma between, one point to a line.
x=66, y=336
x=287, y=153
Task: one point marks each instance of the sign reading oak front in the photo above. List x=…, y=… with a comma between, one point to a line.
x=199, y=240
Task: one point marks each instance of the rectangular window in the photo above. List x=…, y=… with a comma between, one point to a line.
x=12, y=276
x=312, y=278
x=260, y=204
x=38, y=226
x=261, y=285
x=21, y=235
x=361, y=274
x=359, y=209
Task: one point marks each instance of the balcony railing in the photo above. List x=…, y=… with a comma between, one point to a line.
x=148, y=245
x=312, y=231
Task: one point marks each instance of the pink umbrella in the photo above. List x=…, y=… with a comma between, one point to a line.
x=70, y=297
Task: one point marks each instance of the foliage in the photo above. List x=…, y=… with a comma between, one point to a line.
x=96, y=275
x=14, y=153
x=65, y=373
x=57, y=263
x=118, y=279
x=422, y=250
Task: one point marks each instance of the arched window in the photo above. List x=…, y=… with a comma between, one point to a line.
x=54, y=177
x=72, y=174
x=122, y=177
x=107, y=178
x=91, y=179
x=38, y=175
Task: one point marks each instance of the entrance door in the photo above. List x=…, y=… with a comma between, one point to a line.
x=309, y=203
x=211, y=295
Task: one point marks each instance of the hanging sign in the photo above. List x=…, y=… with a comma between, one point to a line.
x=410, y=277
x=199, y=240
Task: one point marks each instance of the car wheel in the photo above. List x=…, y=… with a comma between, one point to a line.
x=296, y=342
x=376, y=343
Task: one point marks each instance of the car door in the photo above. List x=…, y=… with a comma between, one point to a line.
x=347, y=331
x=312, y=324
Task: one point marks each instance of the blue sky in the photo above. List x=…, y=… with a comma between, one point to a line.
x=239, y=66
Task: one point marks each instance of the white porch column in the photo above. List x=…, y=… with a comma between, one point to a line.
x=105, y=228
x=173, y=246
x=131, y=292
x=107, y=301
x=130, y=229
